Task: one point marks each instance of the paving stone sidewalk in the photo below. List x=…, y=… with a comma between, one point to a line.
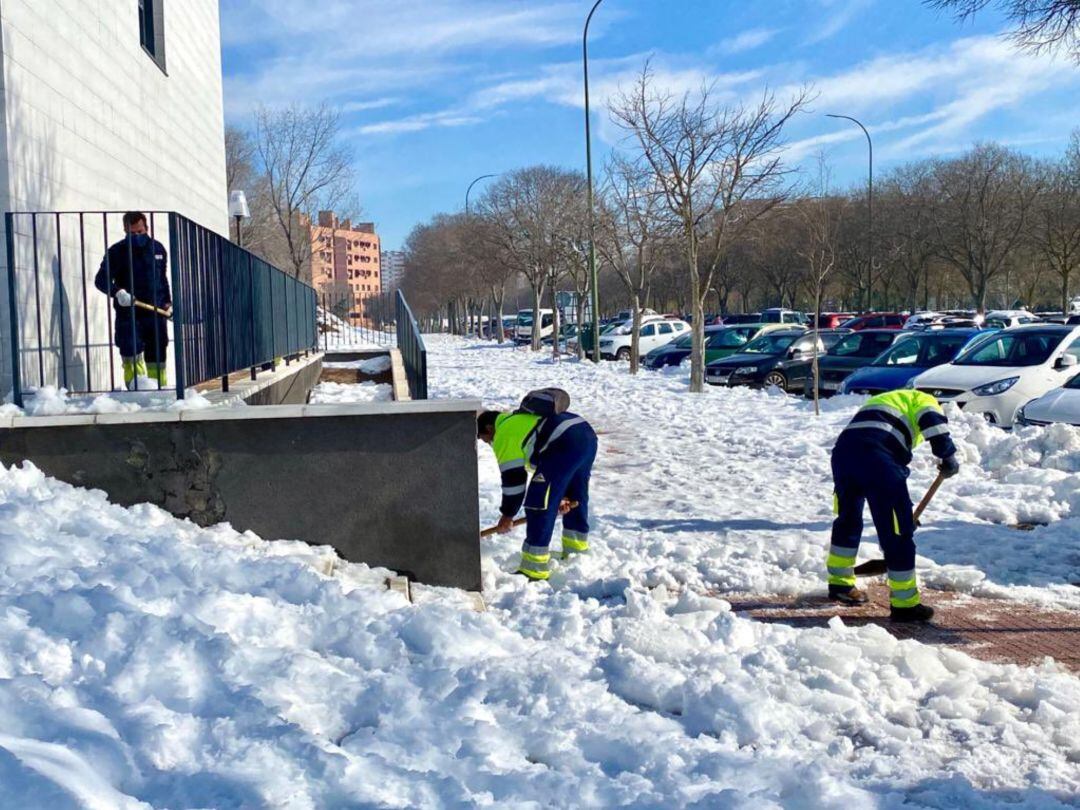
x=989, y=629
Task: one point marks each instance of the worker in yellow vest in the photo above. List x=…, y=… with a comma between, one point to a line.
x=870, y=465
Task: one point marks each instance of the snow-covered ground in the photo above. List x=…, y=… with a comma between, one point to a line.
x=337, y=393
x=147, y=662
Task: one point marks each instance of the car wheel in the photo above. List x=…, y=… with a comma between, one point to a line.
x=623, y=353
x=776, y=378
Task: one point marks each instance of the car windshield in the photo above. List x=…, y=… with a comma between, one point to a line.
x=770, y=344
x=925, y=351
x=1012, y=349
x=862, y=344
x=727, y=339
x=1073, y=384
x=851, y=323
x=685, y=341
x=525, y=320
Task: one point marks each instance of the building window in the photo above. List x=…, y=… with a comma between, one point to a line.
x=152, y=30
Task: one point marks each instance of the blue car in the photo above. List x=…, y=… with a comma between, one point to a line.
x=908, y=357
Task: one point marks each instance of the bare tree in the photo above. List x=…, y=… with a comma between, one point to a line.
x=633, y=227
x=306, y=170
x=821, y=214
x=906, y=227
x=719, y=169
x=982, y=203
x=1040, y=25
x=1056, y=222
x=528, y=209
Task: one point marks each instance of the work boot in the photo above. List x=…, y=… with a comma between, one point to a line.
x=848, y=596
x=916, y=613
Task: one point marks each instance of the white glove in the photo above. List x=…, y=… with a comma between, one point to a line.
x=124, y=299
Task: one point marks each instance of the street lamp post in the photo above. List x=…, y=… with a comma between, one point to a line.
x=238, y=209
x=588, y=170
x=870, y=210
x=469, y=189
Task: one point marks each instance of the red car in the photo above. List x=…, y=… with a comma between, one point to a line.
x=833, y=320
x=875, y=320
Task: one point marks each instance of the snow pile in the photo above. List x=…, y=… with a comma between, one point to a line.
x=373, y=366
x=331, y=392
x=732, y=489
x=146, y=662
x=52, y=401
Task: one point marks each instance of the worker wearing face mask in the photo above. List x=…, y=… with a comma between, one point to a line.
x=133, y=274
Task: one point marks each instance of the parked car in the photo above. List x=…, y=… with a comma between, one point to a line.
x=875, y=320
x=852, y=352
x=923, y=320
x=523, y=326
x=776, y=358
x=997, y=375
x=655, y=332
x=568, y=333
x=1006, y=318
x=720, y=341
x=831, y=320
x=910, y=356
x=781, y=315
x=1059, y=405
x=734, y=320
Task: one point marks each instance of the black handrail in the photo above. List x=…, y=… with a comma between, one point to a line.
x=231, y=310
x=413, y=352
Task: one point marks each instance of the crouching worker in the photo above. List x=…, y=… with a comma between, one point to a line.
x=560, y=447
x=133, y=273
x=870, y=465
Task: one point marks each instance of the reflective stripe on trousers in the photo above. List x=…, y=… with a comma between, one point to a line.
x=535, y=561
x=903, y=589
x=841, y=565
x=574, y=542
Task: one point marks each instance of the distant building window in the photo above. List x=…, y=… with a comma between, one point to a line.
x=152, y=30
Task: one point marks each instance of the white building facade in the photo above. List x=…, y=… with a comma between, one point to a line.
x=107, y=105
x=393, y=269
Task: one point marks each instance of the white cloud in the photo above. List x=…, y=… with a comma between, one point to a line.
x=839, y=13
x=746, y=41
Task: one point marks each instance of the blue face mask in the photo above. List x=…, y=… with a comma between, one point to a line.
x=140, y=240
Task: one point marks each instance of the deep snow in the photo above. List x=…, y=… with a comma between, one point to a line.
x=145, y=661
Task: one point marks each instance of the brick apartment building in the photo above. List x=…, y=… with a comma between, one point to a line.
x=345, y=258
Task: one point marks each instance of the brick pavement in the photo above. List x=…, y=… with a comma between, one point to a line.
x=989, y=629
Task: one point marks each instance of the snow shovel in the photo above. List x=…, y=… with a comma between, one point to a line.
x=873, y=568
x=164, y=313
x=519, y=522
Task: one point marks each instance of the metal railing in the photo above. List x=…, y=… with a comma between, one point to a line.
x=413, y=352
x=351, y=321
x=230, y=310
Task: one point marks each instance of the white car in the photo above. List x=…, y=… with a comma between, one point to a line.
x=999, y=373
x=1060, y=405
x=523, y=328
x=655, y=332
x=1007, y=318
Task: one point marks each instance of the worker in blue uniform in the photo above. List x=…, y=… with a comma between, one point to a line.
x=870, y=466
x=561, y=448
x=133, y=274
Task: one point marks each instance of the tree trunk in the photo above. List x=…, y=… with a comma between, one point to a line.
x=815, y=373
x=537, y=295
x=555, y=325
x=580, y=323
x=635, y=334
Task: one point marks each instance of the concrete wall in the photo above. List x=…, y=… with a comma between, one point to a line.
x=91, y=122
x=392, y=485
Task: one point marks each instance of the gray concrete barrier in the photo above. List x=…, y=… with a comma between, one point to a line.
x=388, y=484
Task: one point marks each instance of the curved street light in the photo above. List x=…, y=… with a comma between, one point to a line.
x=870, y=210
x=469, y=189
x=588, y=170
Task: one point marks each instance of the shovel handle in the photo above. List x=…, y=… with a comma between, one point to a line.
x=519, y=522
x=929, y=496
x=164, y=313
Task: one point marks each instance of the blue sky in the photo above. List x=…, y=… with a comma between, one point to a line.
x=437, y=92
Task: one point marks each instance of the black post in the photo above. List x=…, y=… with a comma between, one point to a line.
x=254, y=320
x=86, y=301
x=60, y=282
x=13, y=310
x=178, y=303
